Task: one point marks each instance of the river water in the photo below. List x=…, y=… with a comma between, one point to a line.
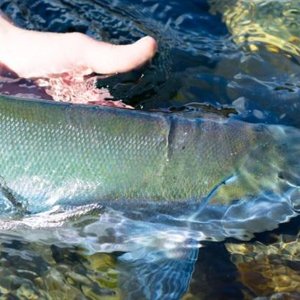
x=235, y=58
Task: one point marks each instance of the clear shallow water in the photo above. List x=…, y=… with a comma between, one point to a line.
x=115, y=256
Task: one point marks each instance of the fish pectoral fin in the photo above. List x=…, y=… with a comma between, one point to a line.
x=214, y=195
x=153, y=275
x=235, y=189
x=10, y=196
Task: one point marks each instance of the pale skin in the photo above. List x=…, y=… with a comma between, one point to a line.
x=33, y=54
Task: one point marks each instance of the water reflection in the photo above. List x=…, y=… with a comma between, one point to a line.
x=267, y=63
x=198, y=60
x=250, y=67
x=113, y=257
x=263, y=23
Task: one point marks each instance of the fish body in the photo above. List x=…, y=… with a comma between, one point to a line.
x=57, y=153
x=54, y=153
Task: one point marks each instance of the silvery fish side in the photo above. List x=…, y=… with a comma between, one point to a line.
x=53, y=153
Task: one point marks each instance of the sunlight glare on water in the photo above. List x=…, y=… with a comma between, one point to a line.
x=235, y=58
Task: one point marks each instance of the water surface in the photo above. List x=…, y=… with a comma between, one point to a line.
x=210, y=57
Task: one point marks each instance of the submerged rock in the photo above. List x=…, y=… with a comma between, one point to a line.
x=36, y=271
x=270, y=23
x=269, y=266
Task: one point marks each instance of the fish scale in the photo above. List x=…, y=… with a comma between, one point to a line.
x=55, y=153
